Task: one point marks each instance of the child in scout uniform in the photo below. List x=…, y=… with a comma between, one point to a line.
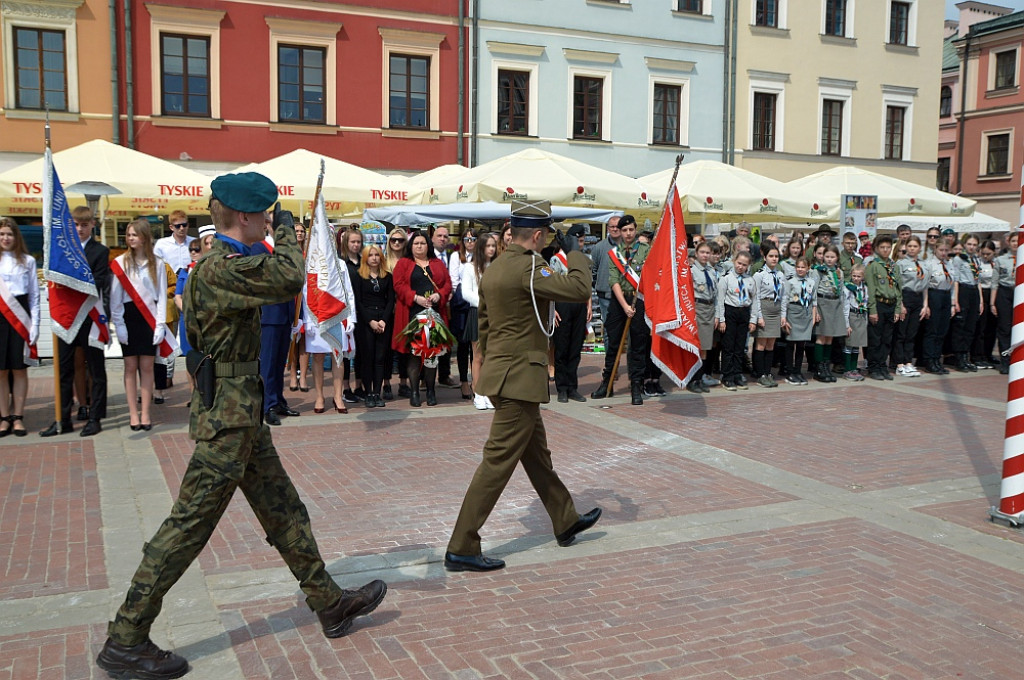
x=985, y=334
x=966, y=268
x=705, y=286
x=885, y=299
x=1004, y=273
x=737, y=310
x=848, y=258
x=794, y=251
x=855, y=311
x=769, y=292
x=798, y=318
x=828, y=317
x=940, y=289
x=914, y=277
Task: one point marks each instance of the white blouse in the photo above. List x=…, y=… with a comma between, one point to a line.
x=153, y=294
x=21, y=279
x=471, y=286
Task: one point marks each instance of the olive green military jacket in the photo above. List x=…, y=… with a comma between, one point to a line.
x=514, y=347
x=883, y=278
x=222, y=301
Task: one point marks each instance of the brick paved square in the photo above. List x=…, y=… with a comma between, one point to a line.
x=62, y=654
x=856, y=437
x=844, y=599
x=50, y=526
x=392, y=486
x=985, y=385
x=973, y=514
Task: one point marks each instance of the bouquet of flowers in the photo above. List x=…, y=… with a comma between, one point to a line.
x=428, y=337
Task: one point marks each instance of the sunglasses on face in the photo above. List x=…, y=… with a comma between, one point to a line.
x=193, y=250
x=183, y=225
x=933, y=235
x=470, y=239
x=398, y=240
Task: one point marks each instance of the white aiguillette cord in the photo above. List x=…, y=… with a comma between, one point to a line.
x=550, y=330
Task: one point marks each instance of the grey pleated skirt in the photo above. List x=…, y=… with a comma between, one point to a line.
x=706, y=324
x=832, y=323
x=800, y=320
x=771, y=312
x=859, y=330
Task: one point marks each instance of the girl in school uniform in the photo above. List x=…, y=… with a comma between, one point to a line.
x=798, y=308
x=705, y=287
x=985, y=333
x=855, y=311
x=769, y=284
x=139, y=278
x=967, y=302
x=1000, y=300
x=19, y=326
x=940, y=289
x=794, y=251
x=914, y=279
x=484, y=252
x=828, y=316
x=736, y=311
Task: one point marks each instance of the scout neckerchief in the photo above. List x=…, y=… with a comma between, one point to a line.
x=168, y=347
x=805, y=298
x=853, y=260
x=858, y=293
x=20, y=321
x=741, y=290
x=833, y=276
x=776, y=286
x=975, y=268
x=624, y=263
x=707, y=269
x=920, y=272
x=944, y=270
x=889, y=266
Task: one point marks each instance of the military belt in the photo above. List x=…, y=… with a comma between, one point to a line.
x=236, y=369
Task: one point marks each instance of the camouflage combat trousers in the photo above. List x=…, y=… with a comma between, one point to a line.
x=239, y=458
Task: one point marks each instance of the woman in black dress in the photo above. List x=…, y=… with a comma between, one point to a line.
x=375, y=313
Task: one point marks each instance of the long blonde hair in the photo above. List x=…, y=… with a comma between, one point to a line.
x=364, y=266
x=145, y=235
x=389, y=257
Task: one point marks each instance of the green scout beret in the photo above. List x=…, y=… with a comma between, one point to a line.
x=247, y=192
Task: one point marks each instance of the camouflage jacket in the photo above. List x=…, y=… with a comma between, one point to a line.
x=222, y=303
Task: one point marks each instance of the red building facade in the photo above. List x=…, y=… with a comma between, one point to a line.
x=228, y=82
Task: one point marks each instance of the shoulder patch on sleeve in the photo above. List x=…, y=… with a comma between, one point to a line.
x=231, y=256
x=546, y=271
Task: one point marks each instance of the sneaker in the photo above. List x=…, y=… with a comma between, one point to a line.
x=349, y=396
x=480, y=402
x=729, y=385
x=901, y=370
x=659, y=391
x=853, y=375
x=741, y=380
x=649, y=390
x=710, y=382
x=857, y=375
x=800, y=376
x=793, y=379
x=741, y=385
x=911, y=371
x=695, y=387
x=388, y=394
x=490, y=406
x=765, y=381
x=404, y=392
x=771, y=379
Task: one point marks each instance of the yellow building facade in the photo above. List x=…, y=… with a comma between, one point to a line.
x=821, y=83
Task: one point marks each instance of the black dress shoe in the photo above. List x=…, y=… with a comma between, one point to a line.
x=56, y=428
x=575, y=395
x=337, y=619
x=285, y=411
x=83, y=413
x=586, y=521
x=453, y=562
x=563, y=397
x=271, y=418
x=92, y=427
x=403, y=391
x=431, y=398
x=414, y=399
x=144, y=660
x=388, y=394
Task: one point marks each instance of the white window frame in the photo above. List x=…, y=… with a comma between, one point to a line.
x=992, y=54
x=606, y=100
x=305, y=34
x=911, y=23
x=848, y=28
x=901, y=97
x=204, y=23
x=842, y=93
x=415, y=44
x=783, y=14
x=705, y=8
x=684, y=107
x=57, y=15
x=778, y=88
x=983, y=161
x=533, y=68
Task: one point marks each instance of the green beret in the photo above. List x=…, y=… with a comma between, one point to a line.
x=248, y=192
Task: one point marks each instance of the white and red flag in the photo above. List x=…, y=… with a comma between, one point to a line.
x=667, y=289
x=71, y=286
x=329, y=296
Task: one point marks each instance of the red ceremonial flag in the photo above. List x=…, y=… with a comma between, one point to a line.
x=667, y=288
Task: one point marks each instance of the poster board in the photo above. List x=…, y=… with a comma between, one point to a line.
x=859, y=213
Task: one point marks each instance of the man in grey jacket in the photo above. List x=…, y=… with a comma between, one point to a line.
x=600, y=264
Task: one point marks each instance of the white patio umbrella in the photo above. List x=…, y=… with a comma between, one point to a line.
x=347, y=188
x=978, y=222
x=147, y=184
x=713, y=192
x=533, y=174
x=895, y=196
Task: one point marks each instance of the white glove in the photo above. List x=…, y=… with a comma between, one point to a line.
x=158, y=334
x=33, y=335
x=297, y=331
x=122, y=334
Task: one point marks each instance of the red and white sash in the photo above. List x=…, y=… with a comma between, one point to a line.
x=561, y=257
x=20, y=321
x=624, y=268
x=168, y=348
x=99, y=334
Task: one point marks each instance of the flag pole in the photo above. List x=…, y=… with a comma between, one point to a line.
x=625, y=329
x=56, y=347
x=293, y=354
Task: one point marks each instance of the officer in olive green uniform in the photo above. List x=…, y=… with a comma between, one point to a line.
x=885, y=297
x=516, y=318
x=234, y=448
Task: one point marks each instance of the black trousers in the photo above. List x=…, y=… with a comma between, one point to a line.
x=880, y=337
x=95, y=363
x=985, y=333
x=966, y=321
x=734, y=341
x=935, y=330
x=373, y=348
x=568, y=342
x=1004, y=322
x=639, y=340
x=906, y=330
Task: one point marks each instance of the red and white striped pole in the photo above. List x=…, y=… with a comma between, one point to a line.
x=1011, y=492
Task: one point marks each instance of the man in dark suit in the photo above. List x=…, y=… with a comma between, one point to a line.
x=98, y=257
x=515, y=300
x=275, y=326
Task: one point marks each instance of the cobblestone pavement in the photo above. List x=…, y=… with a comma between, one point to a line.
x=827, y=531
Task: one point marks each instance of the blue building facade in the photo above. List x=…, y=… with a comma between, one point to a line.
x=622, y=85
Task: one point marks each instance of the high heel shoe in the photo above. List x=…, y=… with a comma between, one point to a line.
x=303, y=389
x=320, y=409
x=342, y=408
x=135, y=428
x=9, y=420
x=146, y=426
x=18, y=433
x=293, y=388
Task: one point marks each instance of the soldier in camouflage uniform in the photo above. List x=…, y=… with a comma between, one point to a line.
x=234, y=448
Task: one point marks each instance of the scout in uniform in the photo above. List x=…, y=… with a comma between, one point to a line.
x=829, y=321
x=940, y=290
x=571, y=330
x=798, y=306
x=855, y=311
x=736, y=310
x=234, y=449
x=1004, y=273
x=914, y=276
x=516, y=319
x=967, y=304
x=705, y=285
x=769, y=290
x=848, y=257
x=885, y=299
x=630, y=256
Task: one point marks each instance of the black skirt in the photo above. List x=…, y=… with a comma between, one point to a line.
x=12, y=346
x=140, y=335
x=471, y=332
